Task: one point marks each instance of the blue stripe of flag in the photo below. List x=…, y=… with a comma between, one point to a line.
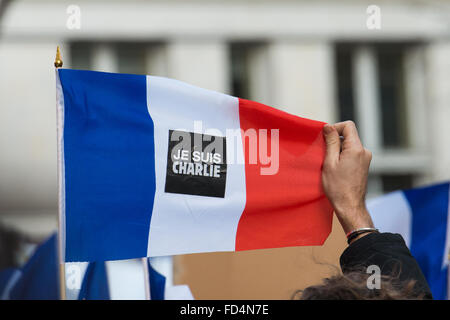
x=109, y=165
x=40, y=275
x=430, y=206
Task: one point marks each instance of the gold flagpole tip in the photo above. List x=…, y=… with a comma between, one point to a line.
x=58, y=60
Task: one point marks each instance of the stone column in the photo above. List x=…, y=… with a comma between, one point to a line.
x=302, y=78
x=438, y=85
x=202, y=63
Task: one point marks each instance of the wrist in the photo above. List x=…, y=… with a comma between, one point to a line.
x=354, y=218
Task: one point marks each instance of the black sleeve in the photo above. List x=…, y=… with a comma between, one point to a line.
x=390, y=253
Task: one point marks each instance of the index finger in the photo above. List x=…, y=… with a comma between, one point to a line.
x=348, y=130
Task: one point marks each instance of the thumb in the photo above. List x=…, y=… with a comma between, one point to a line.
x=333, y=143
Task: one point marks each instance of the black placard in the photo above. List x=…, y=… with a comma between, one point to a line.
x=196, y=164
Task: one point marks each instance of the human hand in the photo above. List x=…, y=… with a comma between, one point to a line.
x=344, y=175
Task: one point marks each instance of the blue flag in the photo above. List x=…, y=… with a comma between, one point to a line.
x=8, y=278
x=40, y=276
x=38, y=279
x=157, y=283
x=98, y=284
x=421, y=216
x=95, y=283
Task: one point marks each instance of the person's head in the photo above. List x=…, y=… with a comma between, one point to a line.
x=353, y=286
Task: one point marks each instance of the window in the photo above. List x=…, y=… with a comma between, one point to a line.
x=123, y=57
x=344, y=82
x=131, y=58
x=249, y=71
x=240, y=81
x=392, y=182
x=81, y=54
x=392, y=95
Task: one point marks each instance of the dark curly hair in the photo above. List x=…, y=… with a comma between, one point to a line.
x=353, y=286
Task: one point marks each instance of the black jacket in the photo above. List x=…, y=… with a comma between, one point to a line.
x=390, y=253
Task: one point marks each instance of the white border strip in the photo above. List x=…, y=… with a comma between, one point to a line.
x=61, y=177
x=145, y=262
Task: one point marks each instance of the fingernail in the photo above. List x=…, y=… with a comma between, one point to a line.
x=327, y=129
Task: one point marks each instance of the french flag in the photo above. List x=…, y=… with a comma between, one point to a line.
x=421, y=216
x=124, y=280
x=151, y=166
x=39, y=279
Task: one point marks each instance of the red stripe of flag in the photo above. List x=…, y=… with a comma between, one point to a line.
x=290, y=207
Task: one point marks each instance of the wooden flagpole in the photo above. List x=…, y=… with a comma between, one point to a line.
x=62, y=272
x=146, y=278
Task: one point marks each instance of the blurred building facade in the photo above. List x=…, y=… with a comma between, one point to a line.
x=315, y=59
